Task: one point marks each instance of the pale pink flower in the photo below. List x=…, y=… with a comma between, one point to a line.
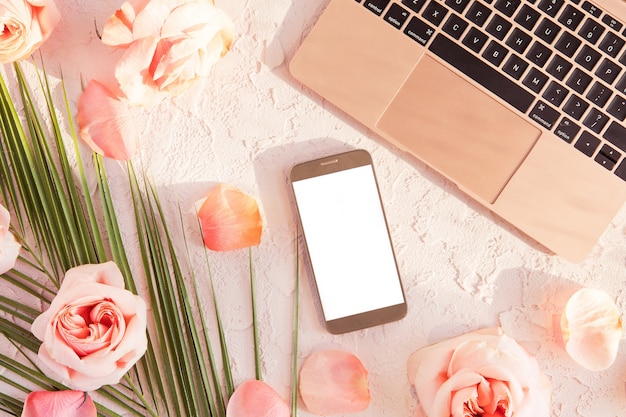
x=334, y=382
x=256, y=399
x=480, y=373
x=230, y=219
x=59, y=404
x=169, y=45
x=94, y=330
x=591, y=326
x=9, y=248
x=24, y=26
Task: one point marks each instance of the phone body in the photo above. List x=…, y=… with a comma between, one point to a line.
x=349, y=248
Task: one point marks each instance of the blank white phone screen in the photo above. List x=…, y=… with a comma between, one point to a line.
x=348, y=243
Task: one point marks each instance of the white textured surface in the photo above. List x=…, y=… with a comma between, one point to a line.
x=462, y=268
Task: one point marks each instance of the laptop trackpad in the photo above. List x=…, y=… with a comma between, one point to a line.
x=457, y=129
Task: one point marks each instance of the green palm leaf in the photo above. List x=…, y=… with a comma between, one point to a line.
x=59, y=225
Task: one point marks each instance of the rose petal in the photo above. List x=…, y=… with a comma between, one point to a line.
x=133, y=72
x=592, y=329
x=106, y=122
x=9, y=247
x=334, y=382
x=230, y=219
x=256, y=399
x=59, y=404
x=118, y=30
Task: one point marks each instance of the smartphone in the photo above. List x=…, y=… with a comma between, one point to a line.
x=347, y=241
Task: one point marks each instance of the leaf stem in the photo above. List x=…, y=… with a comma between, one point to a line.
x=255, y=327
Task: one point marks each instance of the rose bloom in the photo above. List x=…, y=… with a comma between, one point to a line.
x=9, y=248
x=483, y=373
x=169, y=44
x=94, y=330
x=25, y=25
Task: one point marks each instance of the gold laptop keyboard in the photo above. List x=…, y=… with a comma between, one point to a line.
x=560, y=62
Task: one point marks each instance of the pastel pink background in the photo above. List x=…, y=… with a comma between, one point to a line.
x=462, y=267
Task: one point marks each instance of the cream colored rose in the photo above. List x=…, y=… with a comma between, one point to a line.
x=483, y=373
x=94, y=331
x=9, y=248
x=169, y=44
x=25, y=25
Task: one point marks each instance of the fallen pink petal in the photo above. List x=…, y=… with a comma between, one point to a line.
x=591, y=326
x=230, y=219
x=334, y=382
x=106, y=122
x=59, y=404
x=256, y=399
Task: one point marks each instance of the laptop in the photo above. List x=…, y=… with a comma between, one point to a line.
x=520, y=103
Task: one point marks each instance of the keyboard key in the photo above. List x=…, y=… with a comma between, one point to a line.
x=579, y=80
x=498, y=27
x=419, y=31
x=482, y=73
x=535, y=80
x=575, y=107
x=587, y=143
x=568, y=44
x=558, y=67
x=616, y=134
x=495, y=53
x=551, y=7
x=571, y=17
x=610, y=153
x=605, y=160
x=588, y=57
x=519, y=40
x=596, y=120
x=397, y=15
x=457, y=5
x=608, y=71
x=435, y=13
x=515, y=66
x=415, y=5
x=555, y=93
x=612, y=23
x=591, y=31
x=527, y=17
x=376, y=6
x=545, y=115
x=621, y=84
x=567, y=130
x=617, y=108
x=547, y=30
x=455, y=26
x=591, y=9
x=475, y=40
x=508, y=7
x=620, y=170
x=478, y=14
x=539, y=54
x=612, y=44
x=599, y=94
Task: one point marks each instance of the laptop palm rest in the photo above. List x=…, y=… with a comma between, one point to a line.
x=457, y=129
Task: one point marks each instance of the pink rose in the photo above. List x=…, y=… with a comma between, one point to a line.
x=482, y=373
x=169, y=44
x=9, y=248
x=25, y=25
x=94, y=331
